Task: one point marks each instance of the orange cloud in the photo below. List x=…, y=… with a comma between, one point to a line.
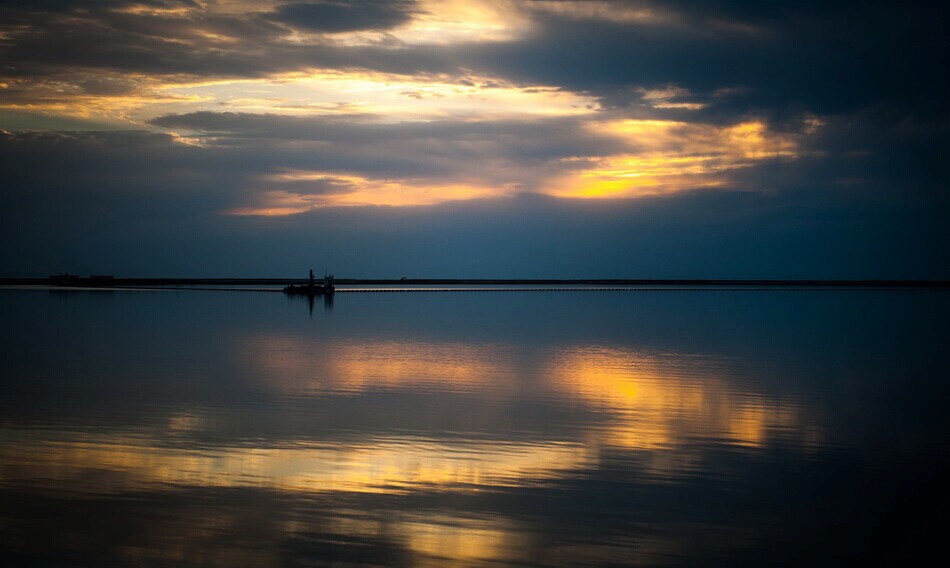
x=359, y=191
x=667, y=156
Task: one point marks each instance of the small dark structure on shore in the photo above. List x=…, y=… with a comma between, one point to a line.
x=64, y=279
x=311, y=288
x=67, y=279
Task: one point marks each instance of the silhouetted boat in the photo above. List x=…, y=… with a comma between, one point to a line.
x=311, y=288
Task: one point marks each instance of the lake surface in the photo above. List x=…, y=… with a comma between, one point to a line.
x=200, y=428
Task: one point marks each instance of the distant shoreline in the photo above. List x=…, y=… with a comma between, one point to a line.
x=119, y=282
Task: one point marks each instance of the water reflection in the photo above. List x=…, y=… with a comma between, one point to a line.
x=670, y=400
x=325, y=299
x=103, y=464
x=304, y=365
x=417, y=430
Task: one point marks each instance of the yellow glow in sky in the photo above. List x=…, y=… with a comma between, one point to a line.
x=447, y=22
x=361, y=191
x=627, y=157
x=390, y=98
x=610, y=11
x=668, y=156
x=660, y=157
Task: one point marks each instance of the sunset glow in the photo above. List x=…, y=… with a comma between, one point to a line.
x=472, y=283
x=599, y=152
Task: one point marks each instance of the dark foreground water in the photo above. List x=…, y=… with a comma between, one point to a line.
x=555, y=429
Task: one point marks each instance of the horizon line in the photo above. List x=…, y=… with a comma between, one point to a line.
x=872, y=282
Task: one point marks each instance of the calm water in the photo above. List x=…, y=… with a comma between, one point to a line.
x=554, y=429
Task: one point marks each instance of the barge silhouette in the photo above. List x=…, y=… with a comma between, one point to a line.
x=311, y=288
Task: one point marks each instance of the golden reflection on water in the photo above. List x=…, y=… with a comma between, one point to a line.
x=656, y=401
x=383, y=466
x=663, y=404
x=296, y=365
x=98, y=465
x=644, y=402
x=654, y=405
x=458, y=539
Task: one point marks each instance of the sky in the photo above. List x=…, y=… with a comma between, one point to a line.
x=474, y=139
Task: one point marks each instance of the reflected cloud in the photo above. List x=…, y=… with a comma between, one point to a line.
x=459, y=539
x=658, y=405
x=116, y=464
x=108, y=467
x=663, y=405
x=292, y=365
x=649, y=401
x=382, y=437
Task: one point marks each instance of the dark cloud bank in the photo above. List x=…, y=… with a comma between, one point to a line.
x=150, y=208
x=867, y=199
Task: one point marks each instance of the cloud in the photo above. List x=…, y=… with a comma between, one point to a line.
x=402, y=163
x=581, y=157
x=821, y=58
x=828, y=61
x=104, y=198
x=334, y=16
x=813, y=105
